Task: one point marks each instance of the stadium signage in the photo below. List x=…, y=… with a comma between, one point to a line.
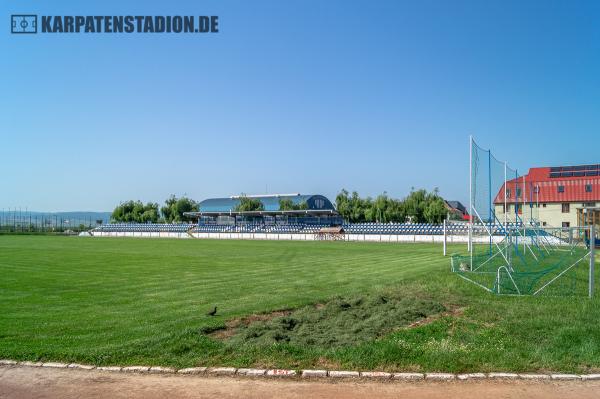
x=28, y=23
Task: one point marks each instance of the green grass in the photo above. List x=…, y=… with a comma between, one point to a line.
x=339, y=322
x=143, y=301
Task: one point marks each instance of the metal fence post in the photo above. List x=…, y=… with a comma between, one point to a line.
x=445, y=237
x=592, y=258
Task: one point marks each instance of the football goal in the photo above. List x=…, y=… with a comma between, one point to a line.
x=509, y=252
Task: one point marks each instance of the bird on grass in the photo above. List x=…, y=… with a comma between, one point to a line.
x=212, y=312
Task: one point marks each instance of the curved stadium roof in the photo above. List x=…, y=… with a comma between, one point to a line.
x=315, y=202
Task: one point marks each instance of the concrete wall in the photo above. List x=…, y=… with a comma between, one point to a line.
x=304, y=237
x=393, y=238
x=139, y=234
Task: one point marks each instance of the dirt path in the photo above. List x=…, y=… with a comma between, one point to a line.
x=24, y=382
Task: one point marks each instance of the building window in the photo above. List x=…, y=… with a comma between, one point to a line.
x=536, y=189
x=543, y=205
x=508, y=193
x=561, y=189
x=566, y=224
x=566, y=208
x=518, y=193
x=589, y=204
x=543, y=223
x=588, y=188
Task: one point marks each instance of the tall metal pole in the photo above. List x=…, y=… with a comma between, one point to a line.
x=507, y=236
x=491, y=217
x=505, y=202
x=592, y=258
x=516, y=212
x=523, y=213
x=470, y=240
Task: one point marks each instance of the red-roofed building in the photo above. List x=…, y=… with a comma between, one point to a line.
x=554, y=196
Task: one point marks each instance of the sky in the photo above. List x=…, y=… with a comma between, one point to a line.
x=304, y=96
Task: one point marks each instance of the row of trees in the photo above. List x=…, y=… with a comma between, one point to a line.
x=138, y=212
x=420, y=206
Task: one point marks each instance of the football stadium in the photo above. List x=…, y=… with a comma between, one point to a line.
x=310, y=199
x=286, y=281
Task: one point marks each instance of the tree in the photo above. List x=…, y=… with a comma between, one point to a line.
x=420, y=205
x=249, y=205
x=342, y=204
x=395, y=211
x=415, y=205
x=286, y=204
x=359, y=208
x=174, y=208
x=379, y=209
x=436, y=211
x=135, y=212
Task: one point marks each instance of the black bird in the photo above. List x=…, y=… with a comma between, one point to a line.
x=212, y=312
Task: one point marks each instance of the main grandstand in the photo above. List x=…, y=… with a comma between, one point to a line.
x=306, y=210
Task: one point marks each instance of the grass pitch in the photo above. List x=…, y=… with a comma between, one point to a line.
x=144, y=301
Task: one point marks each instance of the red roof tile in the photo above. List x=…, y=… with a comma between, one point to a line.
x=539, y=187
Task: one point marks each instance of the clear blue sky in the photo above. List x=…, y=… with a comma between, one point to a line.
x=293, y=96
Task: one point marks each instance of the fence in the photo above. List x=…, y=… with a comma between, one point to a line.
x=19, y=221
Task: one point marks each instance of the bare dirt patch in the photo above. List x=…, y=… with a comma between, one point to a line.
x=453, y=311
x=232, y=325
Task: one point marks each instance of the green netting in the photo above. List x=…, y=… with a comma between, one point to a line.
x=481, y=185
x=512, y=191
x=557, y=265
x=510, y=253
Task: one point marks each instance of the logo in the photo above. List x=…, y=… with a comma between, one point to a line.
x=28, y=23
x=23, y=23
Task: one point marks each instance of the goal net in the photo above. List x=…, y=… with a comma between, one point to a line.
x=509, y=252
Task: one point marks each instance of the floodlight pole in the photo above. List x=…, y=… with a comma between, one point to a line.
x=592, y=258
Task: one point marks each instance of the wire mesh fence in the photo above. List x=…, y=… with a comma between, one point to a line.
x=22, y=221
